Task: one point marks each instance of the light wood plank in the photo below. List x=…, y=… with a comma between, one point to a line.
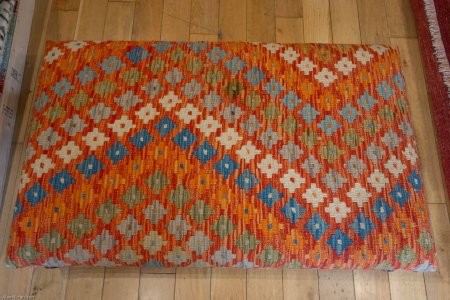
x=121, y=283
x=85, y=283
x=345, y=22
x=63, y=27
x=260, y=21
x=176, y=20
x=289, y=8
x=66, y=4
x=147, y=20
x=289, y=30
x=400, y=18
x=316, y=21
x=336, y=284
x=205, y=17
x=300, y=284
x=233, y=20
x=203, y=37
x=158, y=270
x=91, y=21
x=119, y=21
x=157, y=286
x=228, y=283
x=264, y=284
x=407, y=285
x=49, y=284
x=421, y=116
x=438, y=284
x=193, y=284
x=373, y=22
x=371, y=285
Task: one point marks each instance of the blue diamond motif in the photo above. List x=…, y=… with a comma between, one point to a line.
x=255, y=76
x=111, y=64
x=86, y=75
x=62, y=87
x=60, y=181
x=339, y=241
x=141, y=139
x=41, y=101
x=138, y=54
x=246, y=180
x=197, y=47
x=367, y=101
x=382, y=209
x=415, y=181
x=399, y=81
x=384, y=89
x=216, y=54
x=270, y=195
x=309, y=113
x=399, y=194
x=291, y=100
x=317, y=226
x=184, y=139
x=349, y=113
x=362, y=225
x=329, y=125
x=235, y=65
x=292, y=210
x=35, y=194
x=90, y=166
x=226, y=166
x=165, y=126
x=204, y=152
x=273, y=88
x=117, y=152
x=162, y=46
x=18, y=208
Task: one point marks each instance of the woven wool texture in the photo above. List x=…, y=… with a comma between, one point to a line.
x=221, y=154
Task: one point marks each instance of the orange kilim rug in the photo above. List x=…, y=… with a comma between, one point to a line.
x=221, y=154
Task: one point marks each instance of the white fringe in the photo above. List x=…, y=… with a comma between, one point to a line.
x=438, y=45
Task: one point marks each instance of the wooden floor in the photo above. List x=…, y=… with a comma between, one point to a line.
x=338, y=21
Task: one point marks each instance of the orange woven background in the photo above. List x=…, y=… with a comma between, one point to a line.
x=221, y=154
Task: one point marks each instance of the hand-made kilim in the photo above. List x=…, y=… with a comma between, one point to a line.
x=221, y=154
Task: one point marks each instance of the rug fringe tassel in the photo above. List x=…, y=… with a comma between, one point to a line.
x=438, y=45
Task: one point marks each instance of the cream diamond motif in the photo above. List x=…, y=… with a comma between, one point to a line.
x=95, y=139
x=290, y=55
x=188, y=114
x=208, y=126
x=248, y=152
x=326, y=77
x=42, y=165
x=337, y=210
x=169, y=101
x=306, y=66
x=363, y=56
x=69, y=152
x=314, y=195
x=345, y=66
x=269, y=166
x=147, y=113
x=229, y=138
x=359, y=195
x=395, y=166
x=377, y=180
x=292, y=180
x=122, y=126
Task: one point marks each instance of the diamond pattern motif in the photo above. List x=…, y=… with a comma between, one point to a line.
x=221, y=154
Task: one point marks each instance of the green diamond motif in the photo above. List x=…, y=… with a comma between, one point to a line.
x=270, y=256
x=252, y=100
x=425, y=241
x=157, y=65
x=200, y=211
x=80, y=226
x=79, y=100
x=55, y=112
x=194, y=65
x=157, y=181
x=132, y=196
x=291, y=125
x=406, y=256
x=28, y=253
x=180, y=196
x=223, y=226
x=246, y=242
x=108, y=211
x=214, y=76
x=52, y=240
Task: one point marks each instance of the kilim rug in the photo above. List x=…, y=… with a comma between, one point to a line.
x=221, y=154
x=433, y=30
